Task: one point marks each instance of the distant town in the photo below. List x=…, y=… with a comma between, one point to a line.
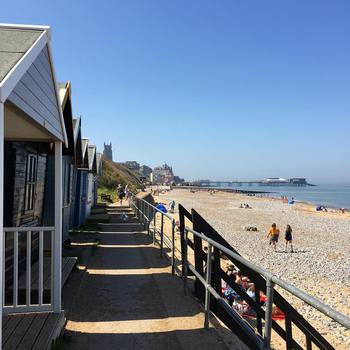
x=160, y=175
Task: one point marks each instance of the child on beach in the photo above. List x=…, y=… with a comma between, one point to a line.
x=288, y=238
x=273, y=235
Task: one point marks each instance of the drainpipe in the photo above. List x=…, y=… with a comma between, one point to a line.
x=2, y=135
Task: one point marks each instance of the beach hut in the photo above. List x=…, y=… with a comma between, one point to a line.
x=68, y=160
x=78, y=163
x=68, y=157
x=92, y=179
x=81, y=194
x=32, y=129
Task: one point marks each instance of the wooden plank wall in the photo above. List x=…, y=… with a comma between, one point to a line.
x=35, y=94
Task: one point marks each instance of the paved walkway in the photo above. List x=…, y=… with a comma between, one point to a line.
x=128, y=299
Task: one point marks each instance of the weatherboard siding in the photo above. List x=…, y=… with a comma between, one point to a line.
x=35, y=94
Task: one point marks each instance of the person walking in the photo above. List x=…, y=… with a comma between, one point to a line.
x=121, y=193
x=273, y=235
x=288, y=237
x=172, y=206
x=126, y=192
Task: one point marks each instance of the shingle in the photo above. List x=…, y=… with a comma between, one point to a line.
x=14, y=43
x=7, y=61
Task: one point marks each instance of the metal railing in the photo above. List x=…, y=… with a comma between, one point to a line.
x=24, y=264
x=271, y=281
x=148, y=215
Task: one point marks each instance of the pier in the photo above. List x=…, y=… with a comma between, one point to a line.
x=292, y=182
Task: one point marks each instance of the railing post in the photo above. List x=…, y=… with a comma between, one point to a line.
x=185, y=267
x=154, y=225
x=161, y=235
x=268, y=312
x=136, y=208
x=173, y=247
x=2, y=251
x=139, y=209
x=208, y=283
x=258, y=308
x=41, y=268
x=57, y=233
x=142, y=213
x=28, y=267
x=289, y=335
x=308, y=343
x=148, y=218
x=15, y=268
x=4, y=266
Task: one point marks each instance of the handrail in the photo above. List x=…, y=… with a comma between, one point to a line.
x=143, y=212
x=29, y=228
x=153, y=207
x=312, y=301
x=147, y=218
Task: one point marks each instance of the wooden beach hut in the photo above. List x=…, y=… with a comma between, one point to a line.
x=68, y=160
x=81, y=194
x=78, y=163
x=92, y=179
x=32, y=129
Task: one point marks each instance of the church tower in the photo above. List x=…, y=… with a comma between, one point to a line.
x=107, y=151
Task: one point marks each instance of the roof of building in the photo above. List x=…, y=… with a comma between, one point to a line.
x=92, y=154
x=98, y=162
x=92, y=158
x=84, y=145
x=20, y=45
x=78, y=142
x=14, y=43
x=64, y=91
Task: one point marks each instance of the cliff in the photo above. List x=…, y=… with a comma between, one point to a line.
x=114, y=174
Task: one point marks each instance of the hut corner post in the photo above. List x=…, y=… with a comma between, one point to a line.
x=2, y=140
x=57, y=234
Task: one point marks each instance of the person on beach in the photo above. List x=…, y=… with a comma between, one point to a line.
x=288, y=238
x=273, y=235
x=172, y=206
x=121, y=193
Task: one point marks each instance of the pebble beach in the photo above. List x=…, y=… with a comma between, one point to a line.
x=320, y=264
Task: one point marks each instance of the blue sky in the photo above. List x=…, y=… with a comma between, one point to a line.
x=218, y=89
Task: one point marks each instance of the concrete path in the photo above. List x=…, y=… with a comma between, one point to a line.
x=128, y=299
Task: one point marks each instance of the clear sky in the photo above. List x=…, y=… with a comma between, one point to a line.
x=218, y=89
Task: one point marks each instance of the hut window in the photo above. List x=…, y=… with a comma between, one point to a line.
x=30, y=182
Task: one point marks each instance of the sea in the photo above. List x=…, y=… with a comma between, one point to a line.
x=334, y=196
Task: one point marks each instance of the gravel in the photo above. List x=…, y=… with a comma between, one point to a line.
x=320, y=264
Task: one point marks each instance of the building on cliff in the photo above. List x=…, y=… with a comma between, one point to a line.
x=162, y=175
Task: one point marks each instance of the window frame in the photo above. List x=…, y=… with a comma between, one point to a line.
x=30, y=182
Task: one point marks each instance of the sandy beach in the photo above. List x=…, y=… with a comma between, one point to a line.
x=320, y=264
